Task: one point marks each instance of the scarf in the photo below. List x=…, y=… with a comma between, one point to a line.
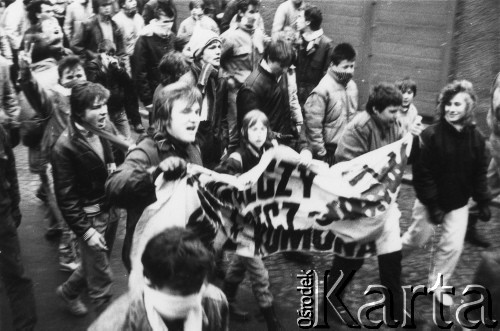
x=158, y=28
x=159, y=304
x=342, y=77
x=312, y=39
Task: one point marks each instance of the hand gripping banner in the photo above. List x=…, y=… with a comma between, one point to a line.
x=279, y=205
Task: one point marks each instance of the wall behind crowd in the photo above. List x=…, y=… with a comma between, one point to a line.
x=433, y=41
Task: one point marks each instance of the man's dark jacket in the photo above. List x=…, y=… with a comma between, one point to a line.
x=86, y=43
x=147, y=55
x=262, y=91
x=451, y=167
x=79, y=176
x=118, y=82
x=312, y=65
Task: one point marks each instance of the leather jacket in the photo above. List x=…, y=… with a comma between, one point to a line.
x=79, y=176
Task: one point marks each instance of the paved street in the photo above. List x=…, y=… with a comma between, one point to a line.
x=40, y=258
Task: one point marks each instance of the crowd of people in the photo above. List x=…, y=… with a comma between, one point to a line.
x=219, y=91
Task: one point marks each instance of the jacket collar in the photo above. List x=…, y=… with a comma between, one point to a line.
x=204, y=75
x=78, y=139
x=266, y=70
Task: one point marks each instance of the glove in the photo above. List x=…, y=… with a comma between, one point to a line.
x=173, y=168
x=484, y=213
x=436, y=214
x=16, y=216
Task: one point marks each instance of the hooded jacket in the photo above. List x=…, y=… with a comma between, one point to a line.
x=328, y=109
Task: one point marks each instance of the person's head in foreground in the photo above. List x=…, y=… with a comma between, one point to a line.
x=89, y=104
x=456, y=103
x=255, y=129
x=384, y=103
x=176, y=265
x=177, y=112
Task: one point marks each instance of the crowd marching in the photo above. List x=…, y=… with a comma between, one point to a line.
x=220, y=92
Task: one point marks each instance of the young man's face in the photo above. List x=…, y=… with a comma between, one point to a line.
x=257, y=134
x=46, y=11
x=97, y=114
x=455, y=109
x=165, y=21
x=52, y=31
x=196, y=13
x=345, y=66
x=408, y=97
x=248, y=18
x=130, y=7
x=105, y=10
x=184, y=121
x=211, y=54
x=72, y=75
x=389, y=115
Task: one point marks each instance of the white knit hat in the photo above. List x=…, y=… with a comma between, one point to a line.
x=200, y=39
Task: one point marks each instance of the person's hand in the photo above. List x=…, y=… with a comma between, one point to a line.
x=173, y=168
x=436, y=214
x=306, y=158
x=416, y=127
x=24, y=58
x=16, y=216
x=484, y=212
x=97, y=242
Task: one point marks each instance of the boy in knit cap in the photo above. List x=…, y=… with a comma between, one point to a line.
x=205, y=46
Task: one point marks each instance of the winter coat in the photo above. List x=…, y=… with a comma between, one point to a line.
x=149, y=49
x=86, y=43
x=130, y=29
x=76, y=14
x=364, y=134
x=327, y=111
x=451, y=166
x=79, y=176
x=131, y=184
x=312, y=65
x=263, y=91
x=115, y=78
x=239, y=56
